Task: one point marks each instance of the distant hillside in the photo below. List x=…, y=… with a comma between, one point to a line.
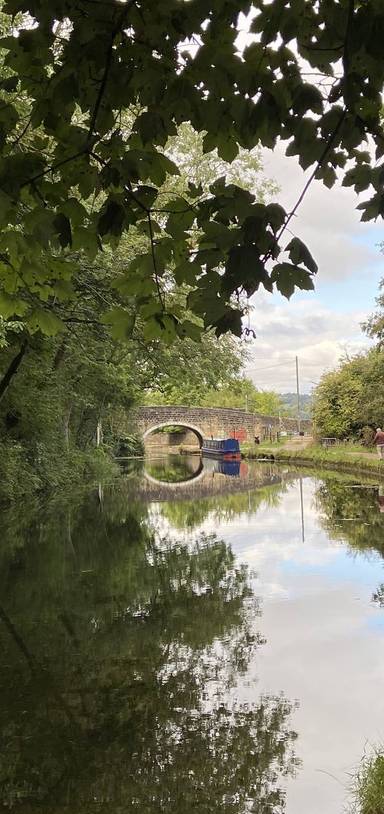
x=289, y=401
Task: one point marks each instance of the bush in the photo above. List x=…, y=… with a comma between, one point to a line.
x=367, y=435
x=22, y=476
x=17, y=477
x=130, y=445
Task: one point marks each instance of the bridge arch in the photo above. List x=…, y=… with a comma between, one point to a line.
x=177, y=423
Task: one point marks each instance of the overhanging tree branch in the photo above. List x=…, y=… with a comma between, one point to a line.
x=12, y=369
x=319, y=164
x=116, y=30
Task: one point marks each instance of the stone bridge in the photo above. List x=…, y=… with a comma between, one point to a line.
x=216, y=422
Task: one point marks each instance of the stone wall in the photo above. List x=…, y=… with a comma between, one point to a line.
x=171, y=439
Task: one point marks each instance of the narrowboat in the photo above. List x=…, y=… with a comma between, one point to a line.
x=228, y=449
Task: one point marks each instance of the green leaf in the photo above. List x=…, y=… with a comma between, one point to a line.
x=45, y=321
x=85, y=239
x=299, y=253
x=231, y=322
x=75, y=211
x=227, y=149
x=121, y=323
x=64, y=290
x=6, y=207
x=286, y=276
x=11, y=306
x=160, y=326
x=186, y=272
x=276, y=216
x=179, y=222
x=62, y=227
x=360, y=177
x=245, y=269
x=190, y=330
x=205, y=302
x=307, y=97
x=112, y=220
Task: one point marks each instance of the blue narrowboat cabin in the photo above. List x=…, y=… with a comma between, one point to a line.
x=225, y=448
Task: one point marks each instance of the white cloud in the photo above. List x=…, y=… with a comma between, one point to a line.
x=327, y=219
x=321, y=326
x=317, y=335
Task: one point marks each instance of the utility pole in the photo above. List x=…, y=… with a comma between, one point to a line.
x=298, y=395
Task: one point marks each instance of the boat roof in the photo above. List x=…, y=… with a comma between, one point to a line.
x=221, y=439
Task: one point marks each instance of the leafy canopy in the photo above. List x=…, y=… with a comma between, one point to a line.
x=348, y=401
x=91, y=93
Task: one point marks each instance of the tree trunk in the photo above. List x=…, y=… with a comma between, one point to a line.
x=60, y=354
x=67, y=418
x=99, y=433
x=12, y=369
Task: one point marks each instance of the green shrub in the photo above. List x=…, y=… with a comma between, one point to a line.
x=17, y=476
x=23, y=475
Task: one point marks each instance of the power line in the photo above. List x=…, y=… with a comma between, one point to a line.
x=284, y=364
x=269, y=367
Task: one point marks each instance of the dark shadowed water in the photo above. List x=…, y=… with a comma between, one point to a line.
x=194, y=637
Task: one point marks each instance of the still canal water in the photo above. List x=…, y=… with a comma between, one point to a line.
x=192, y=638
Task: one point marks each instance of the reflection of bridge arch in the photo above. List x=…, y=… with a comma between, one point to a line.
x=209, y=484
x=164, y=424
x=177, y=485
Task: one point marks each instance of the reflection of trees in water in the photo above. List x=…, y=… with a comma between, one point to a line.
x=118, y=652
x=352, y=515
x=174, y=469
x=189, y=514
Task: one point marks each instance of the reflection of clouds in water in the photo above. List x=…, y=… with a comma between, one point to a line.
x=324, y=639
x=270, y=536
x=271, y=590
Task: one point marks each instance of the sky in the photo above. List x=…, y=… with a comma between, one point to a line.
x=321, y=326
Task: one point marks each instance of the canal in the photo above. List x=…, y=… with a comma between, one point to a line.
x=192, y=637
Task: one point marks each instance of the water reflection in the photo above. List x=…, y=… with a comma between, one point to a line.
x=354, y=512
x=234, y=469
x=219, y=490
x=122, y=651
x=182, y=469
x=324, y=635
x=351, y=511
x=176, y=469
x=138, y=673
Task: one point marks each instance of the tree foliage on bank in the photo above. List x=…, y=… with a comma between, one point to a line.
x=61, y=395
x=351, y=398
x=223, y=390
x=92, y=92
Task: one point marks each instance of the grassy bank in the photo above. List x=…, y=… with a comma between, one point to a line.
x=368, y=788
x=347, y=460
